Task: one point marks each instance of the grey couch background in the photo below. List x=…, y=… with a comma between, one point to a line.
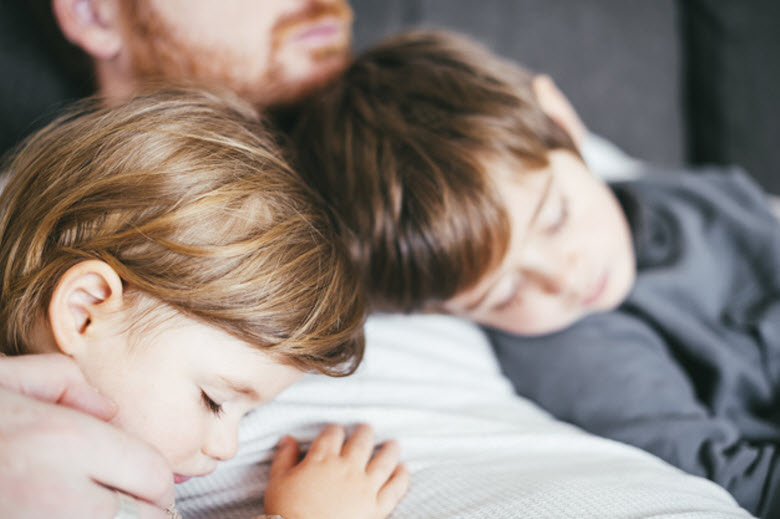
x=670, y=81
x=618, y=61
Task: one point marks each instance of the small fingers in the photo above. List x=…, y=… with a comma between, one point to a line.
x=360, y=445
x=286, y=456
x=327, y=443
x=384, y=462
x=392, y=491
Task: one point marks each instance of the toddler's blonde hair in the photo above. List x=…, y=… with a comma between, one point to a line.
x=184, y=194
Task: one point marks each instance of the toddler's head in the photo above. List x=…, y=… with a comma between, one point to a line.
x=456, y=191
x=192, y=275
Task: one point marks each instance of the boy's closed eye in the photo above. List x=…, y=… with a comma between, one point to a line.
x=551, y=217
x=555, y=211
x=506, y=291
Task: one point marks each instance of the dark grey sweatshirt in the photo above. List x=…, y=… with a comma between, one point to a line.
x=688, y=367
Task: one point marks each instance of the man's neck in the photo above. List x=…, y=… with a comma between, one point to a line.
x=114, y=84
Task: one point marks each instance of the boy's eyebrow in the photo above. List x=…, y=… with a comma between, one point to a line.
x=239, y=388
x=534, y=216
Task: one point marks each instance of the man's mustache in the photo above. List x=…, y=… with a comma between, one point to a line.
x=312, y=11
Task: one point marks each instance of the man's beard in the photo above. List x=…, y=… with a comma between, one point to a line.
x=160, y=54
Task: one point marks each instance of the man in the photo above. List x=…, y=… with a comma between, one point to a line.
x=64, y=463
x=268, y=51
x=271, y=52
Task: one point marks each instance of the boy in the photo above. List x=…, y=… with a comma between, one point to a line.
x=166, y=248
x=643, y=312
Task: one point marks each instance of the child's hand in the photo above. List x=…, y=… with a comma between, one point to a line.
x=336, y=479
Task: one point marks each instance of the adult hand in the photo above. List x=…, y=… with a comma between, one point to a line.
x=56, y=379
x=60, y=462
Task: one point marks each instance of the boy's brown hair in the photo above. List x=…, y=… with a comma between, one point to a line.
x=399, y=147
x=185, y=195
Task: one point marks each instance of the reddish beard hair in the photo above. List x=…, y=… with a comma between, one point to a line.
x=337, y=54
x=159, y=54
x=314, y=11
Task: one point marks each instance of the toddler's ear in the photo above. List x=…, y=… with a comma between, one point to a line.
x=83, y=301
x=93, y=25
x=558, y=108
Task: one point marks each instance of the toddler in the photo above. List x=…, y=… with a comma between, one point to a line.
x=645, y=311
x=166, y=247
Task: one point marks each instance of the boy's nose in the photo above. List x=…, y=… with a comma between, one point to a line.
x=222, y=443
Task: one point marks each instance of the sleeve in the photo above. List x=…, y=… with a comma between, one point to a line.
x=612, y=375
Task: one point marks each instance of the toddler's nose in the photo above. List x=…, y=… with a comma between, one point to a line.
x=222, y=443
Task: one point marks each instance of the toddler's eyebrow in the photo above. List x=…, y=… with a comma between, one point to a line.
x=239, y=388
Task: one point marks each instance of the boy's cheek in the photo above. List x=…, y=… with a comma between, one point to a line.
x=623, y=285
x=541, y=316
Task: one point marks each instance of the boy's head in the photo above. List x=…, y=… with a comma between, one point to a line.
x=456, y=189
x=168, y=249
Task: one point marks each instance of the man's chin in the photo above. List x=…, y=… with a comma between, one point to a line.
x=297, y=86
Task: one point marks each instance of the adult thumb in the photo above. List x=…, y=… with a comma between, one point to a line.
x=54, y=378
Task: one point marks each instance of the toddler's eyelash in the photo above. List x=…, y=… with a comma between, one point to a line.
x=210, y=404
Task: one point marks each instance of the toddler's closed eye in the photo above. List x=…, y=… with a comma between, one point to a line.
x=210, y=404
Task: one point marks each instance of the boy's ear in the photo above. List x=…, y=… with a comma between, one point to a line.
x=84, y=298
x=93, y=25
x=558, y=108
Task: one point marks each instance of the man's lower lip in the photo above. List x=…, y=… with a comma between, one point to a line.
x=178, y=478
x=319, y=33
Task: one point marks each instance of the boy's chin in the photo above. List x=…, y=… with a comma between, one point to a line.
x=540, y=329
x=563, y=323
